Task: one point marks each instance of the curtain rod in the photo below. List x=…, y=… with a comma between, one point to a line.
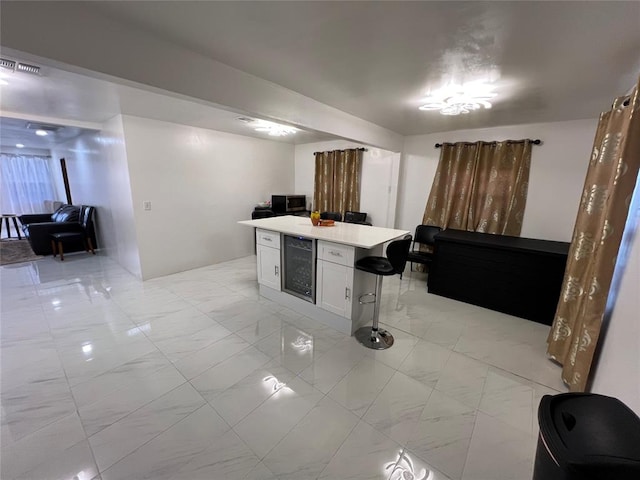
x=537, y=141
x=362, y=149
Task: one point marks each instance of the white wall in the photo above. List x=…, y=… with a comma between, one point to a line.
x=98, y=175
x=558, y=169
x=618, y=370
x=379, y=182
x=200, y=184
x=121, y=239
x=82, y=156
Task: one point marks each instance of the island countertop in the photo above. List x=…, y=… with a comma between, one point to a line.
x=363, y=236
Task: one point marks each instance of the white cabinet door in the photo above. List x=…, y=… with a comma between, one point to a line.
x=335, y=288
x=268, y=267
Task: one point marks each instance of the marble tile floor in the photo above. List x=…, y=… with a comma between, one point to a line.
x=195, y=376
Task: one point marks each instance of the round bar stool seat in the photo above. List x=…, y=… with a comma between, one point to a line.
x=374, y=337
x=376, y=265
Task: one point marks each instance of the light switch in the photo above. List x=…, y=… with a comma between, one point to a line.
x=146, y=204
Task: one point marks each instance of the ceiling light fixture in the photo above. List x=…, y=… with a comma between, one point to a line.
x=19, y=145
x=42, y=133
x=457, y=99
x=272, y=128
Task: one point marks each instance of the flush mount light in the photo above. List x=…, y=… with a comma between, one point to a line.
x=19, y=145
x=272, y=128
x=457, y=99
x=42, y=133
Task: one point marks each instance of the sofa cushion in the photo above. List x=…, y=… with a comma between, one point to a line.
x=66, y=213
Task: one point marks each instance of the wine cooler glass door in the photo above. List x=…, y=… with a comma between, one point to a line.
x=299, y=260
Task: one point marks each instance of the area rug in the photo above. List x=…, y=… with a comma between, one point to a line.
x=16, y=251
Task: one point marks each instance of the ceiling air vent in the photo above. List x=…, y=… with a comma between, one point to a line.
x=43, y=126
x=25, y=67
x=10, y=64
x=245, y=119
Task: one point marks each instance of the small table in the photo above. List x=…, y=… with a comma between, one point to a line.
x=6, y=217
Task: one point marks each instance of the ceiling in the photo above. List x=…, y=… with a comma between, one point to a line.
x=63, y=98
x=547, y=61
x=16, y=130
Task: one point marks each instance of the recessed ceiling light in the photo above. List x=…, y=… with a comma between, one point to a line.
x=19, y=145
x=42, y=133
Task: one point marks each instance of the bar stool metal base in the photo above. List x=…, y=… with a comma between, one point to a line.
x=378, y=339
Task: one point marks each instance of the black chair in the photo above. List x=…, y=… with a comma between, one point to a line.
x=395, y=262
x=82, y=232
x=337, y=216
x=359, y=218
x=355, y=217
x=425, y=235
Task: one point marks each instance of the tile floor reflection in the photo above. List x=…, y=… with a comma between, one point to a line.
x=195, y=376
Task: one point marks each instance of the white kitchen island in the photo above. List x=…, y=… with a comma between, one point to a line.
x=336, y=285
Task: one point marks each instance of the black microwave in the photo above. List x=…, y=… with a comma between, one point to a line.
x=288, y=203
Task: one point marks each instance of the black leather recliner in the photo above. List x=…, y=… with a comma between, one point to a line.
x=37, y=228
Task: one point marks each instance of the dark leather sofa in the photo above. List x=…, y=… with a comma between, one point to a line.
x=37, y=228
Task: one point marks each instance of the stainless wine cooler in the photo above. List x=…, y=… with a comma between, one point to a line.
x=299, y=267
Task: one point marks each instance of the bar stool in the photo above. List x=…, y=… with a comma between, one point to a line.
x=397, y=253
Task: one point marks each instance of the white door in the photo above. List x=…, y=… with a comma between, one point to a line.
x=269, y=267
x=379, y=186
x=335, y=291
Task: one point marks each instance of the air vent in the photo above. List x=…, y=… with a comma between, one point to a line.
x=10, y=64
x=43, y=126
x=245, y=119
x=25, y=67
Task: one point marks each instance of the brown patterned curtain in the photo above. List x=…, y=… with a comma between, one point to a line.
x=480, y=187
x=337, y=180
x=608, y=188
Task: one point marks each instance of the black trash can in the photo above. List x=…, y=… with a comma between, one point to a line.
x=585, y=436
